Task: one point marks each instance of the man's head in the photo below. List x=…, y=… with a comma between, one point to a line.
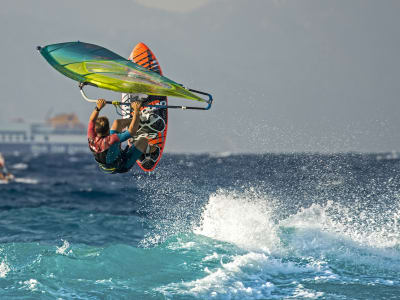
x=102, y=126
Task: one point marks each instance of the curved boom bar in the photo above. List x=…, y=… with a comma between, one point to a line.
x=209, y=101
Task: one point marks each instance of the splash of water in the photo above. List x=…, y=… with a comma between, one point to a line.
x=331, y=235
x=244, y=220
x=4, y=269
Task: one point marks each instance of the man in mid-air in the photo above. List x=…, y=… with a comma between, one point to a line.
x=105, y=144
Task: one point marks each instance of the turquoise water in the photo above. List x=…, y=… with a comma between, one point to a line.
x=202, y=227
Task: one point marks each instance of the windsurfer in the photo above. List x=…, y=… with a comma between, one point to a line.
x=5, y=175
x=105, y=144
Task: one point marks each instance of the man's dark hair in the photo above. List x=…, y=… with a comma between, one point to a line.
x=102, y=126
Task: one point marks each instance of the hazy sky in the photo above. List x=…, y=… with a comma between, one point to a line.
x=320, y=76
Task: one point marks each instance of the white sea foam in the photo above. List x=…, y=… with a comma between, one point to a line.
x=20, y=180
x=31, y=284
x=19, y=166
x=4, y=269
x=302, y=293
x=239, y=219
x=213, y=256
x=246, y=220
x=362, y=243
x=247, y=276
x=180, y=245
x=318, y=237
x=26, y=180
x=334, y=221
x=103, y=281
x=64, y=248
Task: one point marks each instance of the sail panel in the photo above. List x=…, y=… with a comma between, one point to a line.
x=89, y=63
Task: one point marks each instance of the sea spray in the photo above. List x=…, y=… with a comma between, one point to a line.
x=243, y=219
x=335, y=235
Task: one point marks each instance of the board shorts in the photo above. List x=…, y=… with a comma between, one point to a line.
x=120, y=161
x=130, y=156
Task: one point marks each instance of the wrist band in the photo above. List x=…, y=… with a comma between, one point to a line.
x=97, y=109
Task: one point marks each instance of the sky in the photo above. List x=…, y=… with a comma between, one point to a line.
x=286, y=76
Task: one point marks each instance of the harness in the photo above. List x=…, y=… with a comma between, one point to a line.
x=117, y=166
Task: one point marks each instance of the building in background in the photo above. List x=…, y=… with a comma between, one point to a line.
x=63, y=133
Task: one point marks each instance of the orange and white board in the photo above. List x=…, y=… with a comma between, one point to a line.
x=153, y=121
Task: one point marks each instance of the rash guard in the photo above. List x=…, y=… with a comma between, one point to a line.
x=110, y=143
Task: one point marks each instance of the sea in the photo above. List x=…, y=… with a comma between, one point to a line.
x=202, y=226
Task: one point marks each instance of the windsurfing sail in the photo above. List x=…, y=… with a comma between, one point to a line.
x=97, y=66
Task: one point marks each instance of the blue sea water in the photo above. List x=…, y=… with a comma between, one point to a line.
x=272, y=226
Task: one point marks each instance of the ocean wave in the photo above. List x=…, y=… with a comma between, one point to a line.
x=244, y=220
x=26, y=180
x=330, y=240
x=19, y=166
x=235, y=227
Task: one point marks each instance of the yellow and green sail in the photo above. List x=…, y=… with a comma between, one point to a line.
x=89, y=63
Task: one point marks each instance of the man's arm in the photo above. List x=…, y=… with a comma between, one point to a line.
x=100, y=104
x=133, y=127
x=93, y=117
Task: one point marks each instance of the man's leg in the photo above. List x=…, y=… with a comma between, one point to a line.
x=134, y=152
x=120, y=124
x=141, y=144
